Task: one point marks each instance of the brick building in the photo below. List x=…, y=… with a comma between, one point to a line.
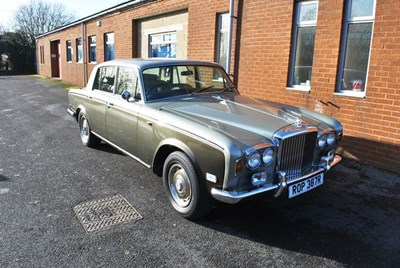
x=339, y=57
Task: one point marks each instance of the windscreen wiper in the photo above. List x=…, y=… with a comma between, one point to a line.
x=201, y=89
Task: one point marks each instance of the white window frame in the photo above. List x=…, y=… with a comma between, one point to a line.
x=299, y=24
x=69, y=48
x=91, y=45
x=79, y=48
x=346, y=22
x=151, y=43
x=108, y=42
x=219, y=34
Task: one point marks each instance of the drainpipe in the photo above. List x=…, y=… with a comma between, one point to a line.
x=231, y=16
x=83, y=54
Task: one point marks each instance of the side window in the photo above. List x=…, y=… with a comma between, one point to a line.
x=356, y=46
x=223, y=39
x=109, y=46
x=105, y=79
x=303, y=44
x=128, y=81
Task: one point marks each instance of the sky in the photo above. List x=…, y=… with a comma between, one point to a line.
x=81, y=8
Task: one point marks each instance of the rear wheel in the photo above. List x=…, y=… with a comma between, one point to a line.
x=187, y=195
x=87, y=136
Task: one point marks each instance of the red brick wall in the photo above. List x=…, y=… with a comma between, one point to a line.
x=372, y=124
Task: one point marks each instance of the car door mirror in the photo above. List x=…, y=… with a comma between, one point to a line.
x=126, y=95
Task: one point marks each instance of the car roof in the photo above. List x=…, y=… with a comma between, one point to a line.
x=149, y=63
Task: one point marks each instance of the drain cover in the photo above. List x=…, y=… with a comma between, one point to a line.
x=99, y=214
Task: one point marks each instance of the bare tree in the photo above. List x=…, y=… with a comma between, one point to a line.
x=39, y=17
x=32, y=19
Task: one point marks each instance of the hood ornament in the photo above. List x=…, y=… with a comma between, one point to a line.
x=297, y=122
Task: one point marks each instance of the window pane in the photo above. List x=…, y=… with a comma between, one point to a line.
x=107, y=77
x=69, y=51
x=92, y=49
x=162, y=45
x=361, y=8
x=223, y=40
x=126, y=81
x=308, y=12
x=92, y=54
x=79, y=54
x=357, y=56
x=224, y=22
x=304, y=56
x=223, y=52
x=163, y=51
x=109, y=46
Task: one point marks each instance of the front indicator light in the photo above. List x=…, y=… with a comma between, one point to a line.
x=239, y=166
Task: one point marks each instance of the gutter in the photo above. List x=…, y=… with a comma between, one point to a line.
x=95, y=15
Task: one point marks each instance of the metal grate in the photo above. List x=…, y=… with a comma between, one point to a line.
x=100, y=214
x=296, y=154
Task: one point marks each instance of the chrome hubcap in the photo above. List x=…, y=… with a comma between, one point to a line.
x=179, y=185
x=84, y=129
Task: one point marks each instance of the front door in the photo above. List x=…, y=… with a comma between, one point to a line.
x=55, y=58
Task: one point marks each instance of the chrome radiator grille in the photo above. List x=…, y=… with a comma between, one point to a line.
x=296, y=154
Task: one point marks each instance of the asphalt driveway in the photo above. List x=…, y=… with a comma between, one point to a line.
x=352, y=220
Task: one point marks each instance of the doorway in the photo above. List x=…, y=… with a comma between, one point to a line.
x=55, y=47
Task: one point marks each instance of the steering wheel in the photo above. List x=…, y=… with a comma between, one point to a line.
x=159, y=88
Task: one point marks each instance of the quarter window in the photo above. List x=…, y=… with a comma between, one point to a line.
x=162, y=45
x=79, y=49
x=303, y=44
x=69, y=51
x=356, y=46
x=109, y=46
x=92, y=49
x=104, y=80
x=222, y=40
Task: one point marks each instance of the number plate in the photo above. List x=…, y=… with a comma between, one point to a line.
x=306, y=185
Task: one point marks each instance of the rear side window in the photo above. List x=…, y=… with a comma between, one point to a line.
x=105, y=79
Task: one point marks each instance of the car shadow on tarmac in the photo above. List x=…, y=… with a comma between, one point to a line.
x=104, y=147
x=353, y=219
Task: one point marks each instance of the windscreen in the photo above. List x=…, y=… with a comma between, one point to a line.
x=170, y=81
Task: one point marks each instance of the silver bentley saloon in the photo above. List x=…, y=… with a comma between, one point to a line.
x=186, y=121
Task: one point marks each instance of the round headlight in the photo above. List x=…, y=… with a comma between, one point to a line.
x=322, y=141
x=254, y=160
x=330, y=139
x=268, y=156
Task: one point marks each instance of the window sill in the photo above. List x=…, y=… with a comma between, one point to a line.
x=93, y=62
x=349, y=93
x=300, y=88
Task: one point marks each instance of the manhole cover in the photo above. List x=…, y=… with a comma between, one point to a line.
x=99, y=214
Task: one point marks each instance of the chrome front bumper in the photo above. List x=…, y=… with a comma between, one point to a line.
x=71, y=112
x=233, y=197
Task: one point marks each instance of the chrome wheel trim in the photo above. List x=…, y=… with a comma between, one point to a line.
x=179, y=185
x=84, y=129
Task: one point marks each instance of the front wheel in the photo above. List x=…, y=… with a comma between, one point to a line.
x=187, y=195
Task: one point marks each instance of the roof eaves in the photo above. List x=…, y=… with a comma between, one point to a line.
x=95, y=15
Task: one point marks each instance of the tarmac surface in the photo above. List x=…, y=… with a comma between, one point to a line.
x=352, y=220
